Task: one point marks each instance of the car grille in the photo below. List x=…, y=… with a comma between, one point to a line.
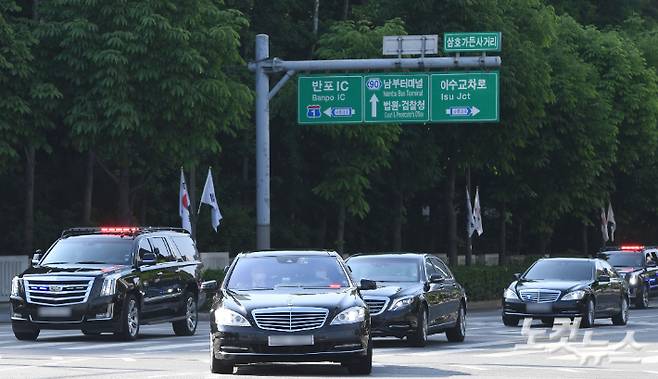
x=290, y=319
x=539, y=296
x=376, y=305
x=57, y=290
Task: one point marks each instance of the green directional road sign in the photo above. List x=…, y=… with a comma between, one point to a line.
x=465, y=97
x=396, y=98
x=330, y=99
x=456, y=42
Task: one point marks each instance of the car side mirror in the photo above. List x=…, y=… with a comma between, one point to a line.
x=147, y=258
x=517, y=275
x=437, y=278
x=604, y=279
x=36, y=258
x=210, y=286
x=367, y=285
x=651, y=264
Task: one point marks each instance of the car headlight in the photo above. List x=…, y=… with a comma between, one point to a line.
x=227, y=317
x=350, y=316
x=401, y=303
x=110, y=285
x=634, y=280
x=510, y=294
x=16, y=286
x=574, y=295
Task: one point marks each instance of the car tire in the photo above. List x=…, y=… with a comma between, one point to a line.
x=589, y=317
x=548, y=321
x=218, y=366
x=458, y=332
x=26, y=335
x=361, y=365
x=510, y=320
x=187, y=326
x=129, y=320
x=621, y=318
x=419, y=336
x=642, y=301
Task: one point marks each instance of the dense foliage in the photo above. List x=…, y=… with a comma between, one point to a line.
x=102, y=102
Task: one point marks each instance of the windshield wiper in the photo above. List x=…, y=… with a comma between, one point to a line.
x=55, y=263
x=90, y=262
x=252, y=289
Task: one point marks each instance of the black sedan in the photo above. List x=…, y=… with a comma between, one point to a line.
x=569, y=288
x=416, y=295
x=276, y=306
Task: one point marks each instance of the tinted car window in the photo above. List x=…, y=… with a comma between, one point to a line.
x=161, y=251
x=560, y=270
x=96, y=249
x=287, y=271
x=429, y=267
x=385, y=269
x=144, y=247
x=186, y=248
x=623, y=259
x=441, y=267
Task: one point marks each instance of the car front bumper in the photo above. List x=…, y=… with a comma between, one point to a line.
x=567, y=309
x=28, y=316
x=334, y=343
x=398, y=323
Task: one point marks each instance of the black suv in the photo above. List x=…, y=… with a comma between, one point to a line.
x=637, y=265
x=109, y=280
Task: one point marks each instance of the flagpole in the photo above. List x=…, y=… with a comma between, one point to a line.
x=469, y=240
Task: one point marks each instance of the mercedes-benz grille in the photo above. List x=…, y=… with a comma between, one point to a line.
x=539, y=296
x=290, y=319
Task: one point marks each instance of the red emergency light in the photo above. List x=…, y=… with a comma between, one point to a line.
x=118, y=230
x=632, y=247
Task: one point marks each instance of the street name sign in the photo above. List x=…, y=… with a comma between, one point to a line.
x=410, y=45
x=464, y=42
x=395, y=98
x=465, y=97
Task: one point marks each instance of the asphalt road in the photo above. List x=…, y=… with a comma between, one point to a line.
x=491, y=350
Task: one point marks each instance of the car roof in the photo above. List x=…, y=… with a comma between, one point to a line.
x=591, y=260
x=276, y=253
x=625, y=252
x=389, y=255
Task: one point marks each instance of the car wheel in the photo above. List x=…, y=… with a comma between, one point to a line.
x=187, y=327
x=622, y=317
x=510, y=320
x=218, y=366
x=588, y=319
x=361, y=365
x=129, y=320
x=547, y=321
x=643, y=300
x=458, y=332
x=419, y=337
x=26, y=335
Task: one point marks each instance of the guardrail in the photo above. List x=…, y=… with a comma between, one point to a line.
x=10, y=266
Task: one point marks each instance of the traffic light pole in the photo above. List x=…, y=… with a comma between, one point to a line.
x=264, y=66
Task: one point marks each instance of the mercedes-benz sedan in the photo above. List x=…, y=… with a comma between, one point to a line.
x=276, y=306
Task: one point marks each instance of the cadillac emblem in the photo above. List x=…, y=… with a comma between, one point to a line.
x=55, y=288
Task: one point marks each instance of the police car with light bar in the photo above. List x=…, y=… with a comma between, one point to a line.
x=638, y=265
x=113, y=280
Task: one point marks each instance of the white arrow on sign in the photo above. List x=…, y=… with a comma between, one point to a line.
x=328, y=112
x=474, y=111
x=373, y=105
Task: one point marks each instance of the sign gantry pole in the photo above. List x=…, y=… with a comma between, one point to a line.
x=351, y=88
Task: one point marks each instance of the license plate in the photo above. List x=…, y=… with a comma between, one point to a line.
x=539, y=308
x=54, y=311
x=290, y=340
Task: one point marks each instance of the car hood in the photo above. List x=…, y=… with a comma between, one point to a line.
x=394, y=289
x=75, y=270
x=626, y=270
x=333, y=300
x=562, y=285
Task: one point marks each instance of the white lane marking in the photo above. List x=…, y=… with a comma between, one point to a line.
x=167, y=347
x=109, y=345
x=510, y=353
x=38, y=345
x=566, y=369
x=469, y=367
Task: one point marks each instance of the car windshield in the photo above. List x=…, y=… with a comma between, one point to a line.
x=91, y=250
x=264, y=273
x=385, y=269
x=560, y=270
x=623, y=259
